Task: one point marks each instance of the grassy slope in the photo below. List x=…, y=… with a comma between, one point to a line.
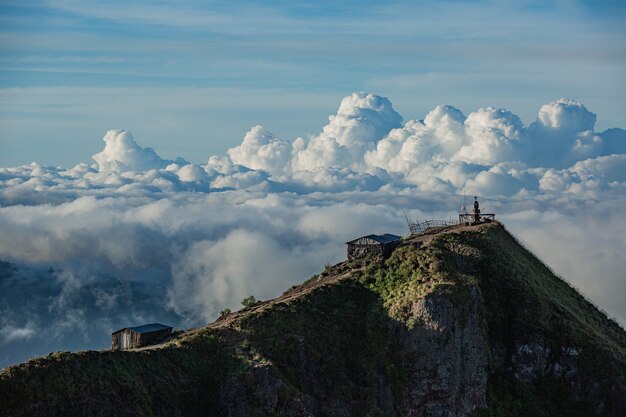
x=525, y=301
x=341, y=329
x=182, y=376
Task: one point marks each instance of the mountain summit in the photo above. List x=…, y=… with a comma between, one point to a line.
x=458, y=321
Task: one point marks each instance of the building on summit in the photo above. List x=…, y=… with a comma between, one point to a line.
x=379, y=245
x=138, y=336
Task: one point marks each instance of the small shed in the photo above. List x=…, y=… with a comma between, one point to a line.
x=381, y=245
x=138, y=336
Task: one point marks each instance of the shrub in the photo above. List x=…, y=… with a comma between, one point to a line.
x=249, y=301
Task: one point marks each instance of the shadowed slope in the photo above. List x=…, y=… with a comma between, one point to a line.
x=461, y=322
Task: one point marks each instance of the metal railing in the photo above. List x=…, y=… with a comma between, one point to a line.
x=419, y=227
x=465, y=218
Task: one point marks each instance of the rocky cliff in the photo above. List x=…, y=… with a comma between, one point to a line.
x=460, y=322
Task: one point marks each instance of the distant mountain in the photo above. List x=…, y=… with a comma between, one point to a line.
x=462, y=322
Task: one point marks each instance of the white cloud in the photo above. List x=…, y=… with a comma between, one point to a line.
x=565, y=115
x=261, y=150
x=179, y=241
x=494, y=135
x=363, y=147
x=362, y=120
x=607, y=169
x=10, y=333
x=211, y=275
x=405, y=148
x=190, y=173
x=121, y=153
x=495, y=181
x=563, y=134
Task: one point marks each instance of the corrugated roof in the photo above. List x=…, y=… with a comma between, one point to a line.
x=382, y=239
x=146, y=328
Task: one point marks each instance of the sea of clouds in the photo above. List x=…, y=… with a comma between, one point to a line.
x=135, y=238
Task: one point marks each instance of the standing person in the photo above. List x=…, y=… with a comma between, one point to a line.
x=476, y=211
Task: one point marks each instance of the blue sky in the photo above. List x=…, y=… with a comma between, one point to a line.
x=190, y=78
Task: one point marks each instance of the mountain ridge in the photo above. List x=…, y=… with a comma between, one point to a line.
x=461, y=322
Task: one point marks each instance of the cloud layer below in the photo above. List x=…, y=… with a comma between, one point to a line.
x=134, y=237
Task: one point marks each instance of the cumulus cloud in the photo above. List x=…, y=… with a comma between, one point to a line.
x=362, y=120
x=495, y=135
x=136, y=238
x=565, y=115
x=121, y=153
x=564, y=133
x=261, y=150
x=364, y=146
x=606, y=169
x=404, y=148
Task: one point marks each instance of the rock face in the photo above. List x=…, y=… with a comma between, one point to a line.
x=259, y=392
x=448, y=346
x=445, y=349
x=461, y=323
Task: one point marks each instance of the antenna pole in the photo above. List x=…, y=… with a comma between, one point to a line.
x=464, y=200
x=407, y=218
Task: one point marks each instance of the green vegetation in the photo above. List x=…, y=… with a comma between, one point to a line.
x=411, y=274
x=524, y=302
x=249, y=301
x=179, y=377
x=338, y=338
x=545, y=302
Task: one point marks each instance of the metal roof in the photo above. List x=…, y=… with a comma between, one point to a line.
x=146, y=328
x=382, y=239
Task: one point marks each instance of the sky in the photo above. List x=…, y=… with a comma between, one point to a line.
x=193, y=76
x=161, y=163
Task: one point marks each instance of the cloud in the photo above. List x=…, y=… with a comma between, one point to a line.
x=137, y=238
x=84, y=268
x=404, y=148
x=211, y=275
x=615, y=140
x=494, y=135
x=564, y=134
x=261, y=150
x=362, y=120
x=496, y=181
x=565, y=115
x=11, y=333
x=606, y=169
x=121, y=153
x=364, y=146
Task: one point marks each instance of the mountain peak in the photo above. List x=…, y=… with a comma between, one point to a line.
x=457, y=321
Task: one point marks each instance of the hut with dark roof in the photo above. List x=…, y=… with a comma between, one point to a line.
x=138, y=336
x=379, y=245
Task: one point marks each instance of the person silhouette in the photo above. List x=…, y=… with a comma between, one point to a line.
x=476, y=210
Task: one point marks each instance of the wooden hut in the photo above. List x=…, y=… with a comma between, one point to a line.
x=379, y=245
x=138, y=336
